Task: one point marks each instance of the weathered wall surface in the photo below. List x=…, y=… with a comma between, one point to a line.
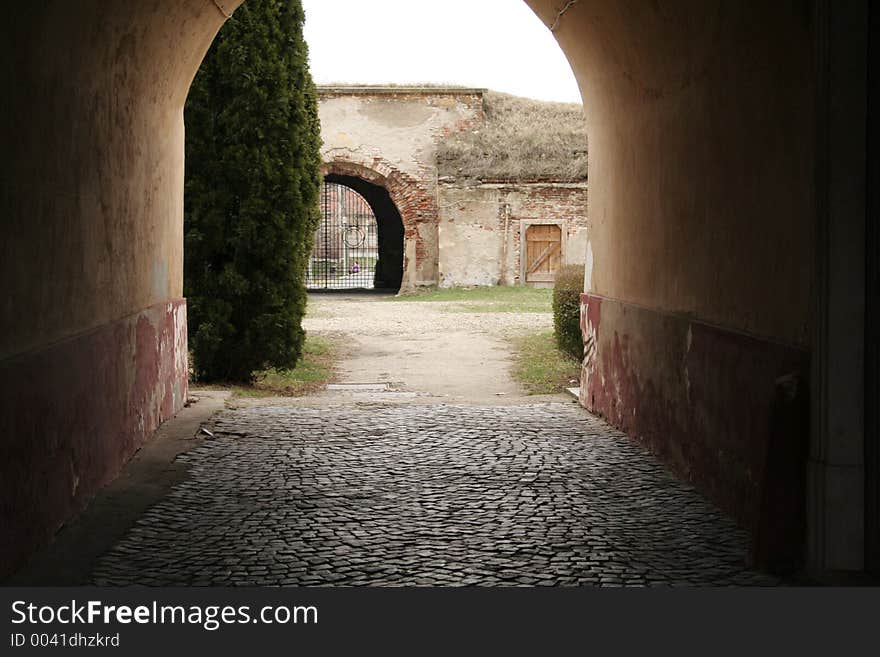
x=701, y=240
x=92, y=326
x=389, y=137
x=701, y=158
x=704, y=398
x=481, y=228
x=73, y=414
x=92, y=185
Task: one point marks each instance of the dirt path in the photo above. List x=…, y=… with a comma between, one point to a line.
x=425, y=348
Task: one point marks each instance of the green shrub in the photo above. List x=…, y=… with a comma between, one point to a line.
x=251, y=199
x=567, y=310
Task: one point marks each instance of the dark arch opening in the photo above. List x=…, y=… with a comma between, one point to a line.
x=389, y=264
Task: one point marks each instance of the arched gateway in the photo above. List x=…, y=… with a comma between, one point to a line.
x=359, y=241
x=387, y=137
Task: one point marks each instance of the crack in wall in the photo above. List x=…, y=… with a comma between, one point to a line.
x=226, y=14
x=567, y=6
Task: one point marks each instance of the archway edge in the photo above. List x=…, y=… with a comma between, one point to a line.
x=389, y=266
x=101, y=219
x=416, y=205
x=377, y=171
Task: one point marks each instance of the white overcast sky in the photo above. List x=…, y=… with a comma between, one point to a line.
x=498, y=44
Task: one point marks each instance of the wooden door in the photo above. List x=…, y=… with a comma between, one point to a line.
x=543, y=253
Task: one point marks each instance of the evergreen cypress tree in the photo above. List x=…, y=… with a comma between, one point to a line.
x=252, y=186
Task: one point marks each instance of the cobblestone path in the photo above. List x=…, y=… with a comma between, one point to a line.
x=536, y=494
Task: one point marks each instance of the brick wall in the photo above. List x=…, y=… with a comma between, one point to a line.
x=481, y=227
x=454, y=233
x=388, y=136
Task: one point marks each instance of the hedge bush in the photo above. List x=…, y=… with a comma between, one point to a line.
x=567, y=310
x=251, y=202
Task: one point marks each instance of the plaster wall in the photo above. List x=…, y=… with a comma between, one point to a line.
x=92, y=326
x=389, y=136
x=697, y=312
x=92, y=184
x=399, y=125
x=700, y=118
x=472, y=233
x=72, y=414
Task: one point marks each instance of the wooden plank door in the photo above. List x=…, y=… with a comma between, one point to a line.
x=543, y=253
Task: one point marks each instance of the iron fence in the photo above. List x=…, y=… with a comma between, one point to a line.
x=346, y=242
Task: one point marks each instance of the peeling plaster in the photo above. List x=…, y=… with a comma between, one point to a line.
x=109, y=389
x=159, y=278
x=588, y=267
x=705, y=404
x=689, y=338
x=568, y=5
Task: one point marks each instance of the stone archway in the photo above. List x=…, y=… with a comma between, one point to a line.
x=416, y=207
x=387, y=270
x=705, y=255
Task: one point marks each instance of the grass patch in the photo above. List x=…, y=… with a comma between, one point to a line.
x=316, y=368
x=539, y=365
x=496, y=308
x=486, y=299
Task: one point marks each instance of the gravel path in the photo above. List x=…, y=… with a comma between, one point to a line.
x=382, y=316
x=425, y=347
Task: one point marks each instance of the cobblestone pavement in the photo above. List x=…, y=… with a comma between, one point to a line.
x=537, y=494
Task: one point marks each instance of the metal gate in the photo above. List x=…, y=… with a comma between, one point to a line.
x=346, y=242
